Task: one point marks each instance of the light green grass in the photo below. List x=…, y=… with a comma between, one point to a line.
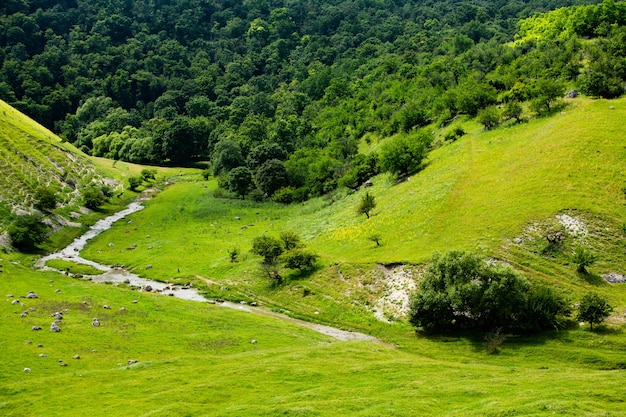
x=475, y=194
x=198, y=359
x=73, y=267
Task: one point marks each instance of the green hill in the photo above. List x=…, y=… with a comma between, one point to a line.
x=33, y=157
x=496, y=193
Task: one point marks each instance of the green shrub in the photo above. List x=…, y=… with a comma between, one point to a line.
x=460, y=291
x=583, y=258
x=593, y=309
x=299, y=259
x=26, y=232
x=93, y=198
x=134, y=182
x=45, y=198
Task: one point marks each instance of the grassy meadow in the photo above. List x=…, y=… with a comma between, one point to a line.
x=478, y=193
x=494, y=193
x=198, y=359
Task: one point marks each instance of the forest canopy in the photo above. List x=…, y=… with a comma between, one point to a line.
x=293, y=81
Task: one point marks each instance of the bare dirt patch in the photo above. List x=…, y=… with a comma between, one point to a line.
x=399, y=282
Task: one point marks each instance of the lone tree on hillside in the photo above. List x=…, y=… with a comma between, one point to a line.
x=594, y=309
x=403, y=154
x=366, y=204
x=583, y=257
x=270, y=249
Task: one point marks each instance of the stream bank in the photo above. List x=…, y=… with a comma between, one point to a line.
x=115, y=274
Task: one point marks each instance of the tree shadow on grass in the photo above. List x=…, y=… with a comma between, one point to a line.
x=591, y=279
x=512, y=342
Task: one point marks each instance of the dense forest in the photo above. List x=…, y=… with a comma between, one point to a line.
x=278, y=94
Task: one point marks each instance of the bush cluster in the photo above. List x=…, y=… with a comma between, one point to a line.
x=461, y=291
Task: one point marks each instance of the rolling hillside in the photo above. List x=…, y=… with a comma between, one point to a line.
x=495, y=193
x=31, y=157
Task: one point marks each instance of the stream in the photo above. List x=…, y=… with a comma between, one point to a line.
x=114, y=274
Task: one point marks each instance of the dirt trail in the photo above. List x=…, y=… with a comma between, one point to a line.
x=119, y=275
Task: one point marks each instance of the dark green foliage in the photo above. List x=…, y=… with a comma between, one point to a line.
x=263, y=153
x=489, y=117
x=284, y=195
x=454, y=134
x=299, y=259
x=26, y=232
x=233, y=254
x=268, y=247
x=148, y=174
x=460, y=291
x=512, y=110
x=363, y=168
x=226, y=156
x=133, y=183
x=271, y=176
x=544, y=309
x=593, y=309
x=45, y=198
x=240, y=181
x=367, y=203
x=93, y=198
x=598, y=84
x=171, y=83
x=291, y=240
x=403, y=154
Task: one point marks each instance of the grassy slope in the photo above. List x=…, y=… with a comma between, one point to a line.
x=197, y=359
x=475, y=194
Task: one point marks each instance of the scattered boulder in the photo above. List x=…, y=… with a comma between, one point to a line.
x=253, y=341
x=58, y=315
x=9, y=295
x=368, y=184
x=95, y=322
x=253, y=304
x=31, y=295
x=54, y=327
x=27, y=370
x=243, y=303
x=76, y=357
x=58, y=291
x=43, y=355
x=134, y=301
x=15, y=301
x=132, y=361
x=24, y=314
x=34, y=328
x=62, y=364
x=571, y=94
x=614, y=278
x=39, y=344
x=122, y=308
x=147, y=288
x=106, y=307
x=149, y=266
x=237, y=218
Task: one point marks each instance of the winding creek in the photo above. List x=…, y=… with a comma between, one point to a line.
x=112, y=274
